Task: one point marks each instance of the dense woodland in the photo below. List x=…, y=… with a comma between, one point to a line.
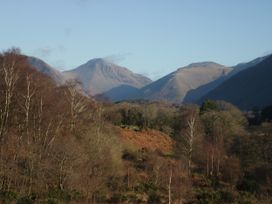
x=59, y=146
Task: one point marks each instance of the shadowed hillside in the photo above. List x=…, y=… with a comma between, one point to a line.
x=46, y=69
x=249, y=88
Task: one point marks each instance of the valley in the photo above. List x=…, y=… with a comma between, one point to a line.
x=61, y=144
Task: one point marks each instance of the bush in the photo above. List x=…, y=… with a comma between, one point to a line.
x=129, y=155
x=51, y=201
x=146, y=187
x=58, y=194
x=100, y=196
x=154, y=198
x=248, y=185
x=213, y=197
x=208, y=105
x=226, y=196
x=246, y=198
x=25, y=200
x=7, y=196
x=117, y=198
x=206, y=197
x=77, y=196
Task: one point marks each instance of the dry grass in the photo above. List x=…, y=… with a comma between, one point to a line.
x=149, y=139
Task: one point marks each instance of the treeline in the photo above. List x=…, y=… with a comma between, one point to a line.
x=58, y=146
x=224, y=157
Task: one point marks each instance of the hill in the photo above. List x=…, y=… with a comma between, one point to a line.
x=248, y=88
x=175, y=86
x=46, y=69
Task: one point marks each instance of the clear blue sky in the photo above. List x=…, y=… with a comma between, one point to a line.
x=151, y=37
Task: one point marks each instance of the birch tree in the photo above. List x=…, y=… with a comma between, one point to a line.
x=170, y=183
x=189, y=132
x=77, y=103
x=189, y=141
x=27, y=99
x=9, y=77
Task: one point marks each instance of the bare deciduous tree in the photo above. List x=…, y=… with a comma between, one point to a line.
x=189, y=138
x=10, y=76
x=27, y=99
x=170, y=183
x=77, y=102
x=189, y=133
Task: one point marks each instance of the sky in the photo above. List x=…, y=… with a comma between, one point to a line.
x=150, y=37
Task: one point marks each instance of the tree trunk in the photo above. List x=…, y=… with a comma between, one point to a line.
x=169, y=185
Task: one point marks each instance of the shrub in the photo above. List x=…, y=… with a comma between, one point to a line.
x=117, y=198
x=51, y=201
x=25, y=200
x=76, y=196
x=129, y=155
x=58, y=194
x=246, y=198
x=206, y=197
x=248, y=185
x=7, y=196
x=146, y=187
x=154, y=198
x=226, y=196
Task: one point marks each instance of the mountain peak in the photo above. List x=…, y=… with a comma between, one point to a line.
x=99, y=61
x=100, y=75
x=206, y=64
x=96, y=64
x=203, y=64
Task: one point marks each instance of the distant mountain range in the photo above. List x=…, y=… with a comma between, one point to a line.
x=245, y=85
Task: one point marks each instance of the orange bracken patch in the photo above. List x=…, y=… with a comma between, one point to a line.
x=149, y=139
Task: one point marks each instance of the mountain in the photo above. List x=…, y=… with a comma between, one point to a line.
x=195, y=94
x=46, y=69
x=98, y=76
x=243, y=66
x=175, y=86
x=250, y=87
x=122, y=92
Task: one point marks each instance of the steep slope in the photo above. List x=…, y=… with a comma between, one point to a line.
x=243, y=66
x=46, y=69
x=194, y=95
x=176, y=85
x=249, y=88
x=122, y=92
x=98, y=76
